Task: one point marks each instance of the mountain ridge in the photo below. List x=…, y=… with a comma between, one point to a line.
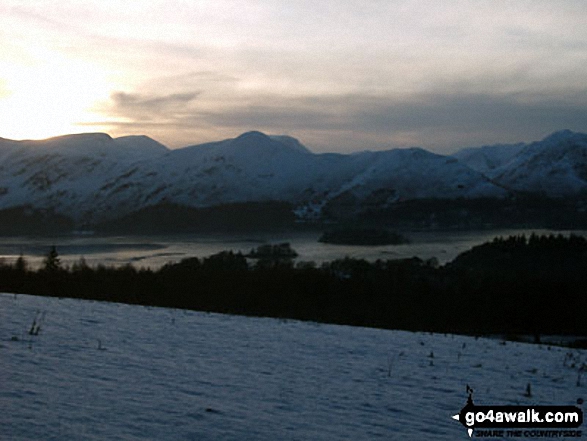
x=93, y=177
x=556, y=166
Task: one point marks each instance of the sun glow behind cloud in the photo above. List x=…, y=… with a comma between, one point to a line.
x=338, y=75
x=49, y=96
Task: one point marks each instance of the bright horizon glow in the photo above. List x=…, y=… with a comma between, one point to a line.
x=339, y=76
x=49, y=97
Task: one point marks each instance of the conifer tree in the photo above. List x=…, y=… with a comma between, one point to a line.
x=52, y=261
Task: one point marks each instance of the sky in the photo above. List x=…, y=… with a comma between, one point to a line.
x=339, y=75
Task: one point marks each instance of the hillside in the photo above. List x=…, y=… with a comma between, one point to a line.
x=94, y=179
x=111, y=371
x=555, y=166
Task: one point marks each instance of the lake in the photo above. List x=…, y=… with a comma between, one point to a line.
x=155, y=251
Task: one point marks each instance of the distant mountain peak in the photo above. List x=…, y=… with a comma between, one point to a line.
x=80, y=137
x=138, y=137
x=140, y=143
x=255, y=140
x=92, y=176
x=561, y=135
x=253, y=135
x=291, y=142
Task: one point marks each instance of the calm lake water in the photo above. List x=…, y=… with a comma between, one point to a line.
x=155, y=251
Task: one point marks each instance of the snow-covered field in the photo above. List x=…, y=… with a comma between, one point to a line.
x=99, y=371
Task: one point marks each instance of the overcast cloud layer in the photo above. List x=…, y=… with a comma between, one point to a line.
x=338, y=75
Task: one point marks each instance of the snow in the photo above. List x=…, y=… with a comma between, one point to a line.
x=487, y=158
x=88, y=176
x=554, y=166
x=108, y=371
x=291, y=142
x=140, y=145
x=70, y=173
x=93, y=177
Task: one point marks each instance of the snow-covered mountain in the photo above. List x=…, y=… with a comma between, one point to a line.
x=555, y=166
x=67, y=174
x=487, y=158
x=93, y=177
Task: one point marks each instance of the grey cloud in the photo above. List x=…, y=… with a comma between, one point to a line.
x=139, y=107
x=208, y=80
x=437, y=121
x=275, y=115
x=206, y=76
x=471, y=112
x=383, y=113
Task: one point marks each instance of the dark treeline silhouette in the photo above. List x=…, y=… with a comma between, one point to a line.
x=367, y=217
x=172, y=218
x=518, y=285
x=28, y=220
x=521, y=211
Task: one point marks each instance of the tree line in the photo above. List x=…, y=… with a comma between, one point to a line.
x=530, y=285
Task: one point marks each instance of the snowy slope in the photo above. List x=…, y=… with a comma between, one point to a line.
x=104, y=371
x=556, y=166
x=256, y=167
x=68, y=173
x=96, y=175
x=92, y=177
x=416, y=173
x=485, y=159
